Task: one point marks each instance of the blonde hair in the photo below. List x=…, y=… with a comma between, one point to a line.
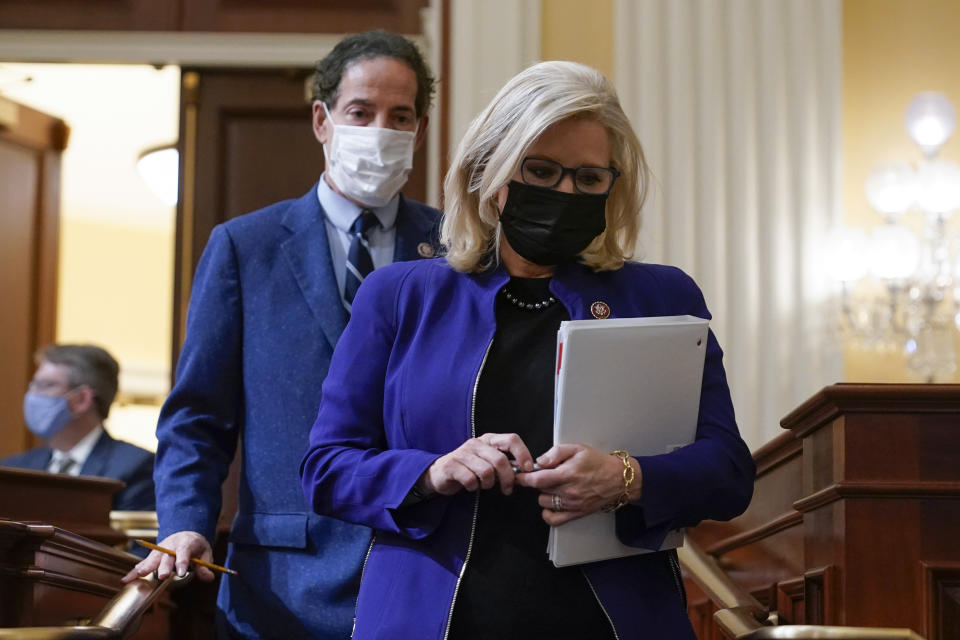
x=497, y=141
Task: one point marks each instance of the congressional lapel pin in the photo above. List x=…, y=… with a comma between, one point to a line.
x=425, y=250
x=600, y=310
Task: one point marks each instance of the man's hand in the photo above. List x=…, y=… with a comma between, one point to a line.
x=187, y=544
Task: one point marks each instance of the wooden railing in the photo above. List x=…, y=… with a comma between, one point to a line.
x=119, y=619
x=854, y=521
x=741, y=616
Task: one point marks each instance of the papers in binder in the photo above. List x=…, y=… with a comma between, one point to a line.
x=632, y=384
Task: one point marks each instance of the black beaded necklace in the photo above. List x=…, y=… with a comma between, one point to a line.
x=529, y=306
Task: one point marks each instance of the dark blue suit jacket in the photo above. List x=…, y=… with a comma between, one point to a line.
x=109, y=459
x=265, y=314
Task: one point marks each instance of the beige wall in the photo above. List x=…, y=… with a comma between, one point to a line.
x=568, y=31
x=892, y=49
x=115, y=288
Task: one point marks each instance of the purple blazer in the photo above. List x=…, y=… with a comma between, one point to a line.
x=399, y=394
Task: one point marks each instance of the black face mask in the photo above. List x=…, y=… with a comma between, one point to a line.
x=549, y=227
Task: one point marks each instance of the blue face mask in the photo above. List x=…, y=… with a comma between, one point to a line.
x=46, y=416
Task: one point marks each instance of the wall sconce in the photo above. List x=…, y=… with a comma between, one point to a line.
x=900, y=290
x=159, y=168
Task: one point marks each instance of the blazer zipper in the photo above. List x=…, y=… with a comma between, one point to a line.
x=476, y=501
x=674, y=563
x=613, y=627
x=363, y=568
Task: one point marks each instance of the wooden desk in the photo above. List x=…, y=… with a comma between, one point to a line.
x=855, y=518
x=79, y=504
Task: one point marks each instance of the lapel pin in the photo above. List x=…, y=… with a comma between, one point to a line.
x=600, y=310
x=425, y=250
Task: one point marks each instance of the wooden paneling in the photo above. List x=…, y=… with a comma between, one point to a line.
x=941, y=597
x=30, y=148
x=789, y=603
x=245, y=136
x=255, y=16
x=139, y=15
x=881, y=495
x=283, y=16
x=20, y=178
x=856, y=513
x=817, y=597
x=47, y=245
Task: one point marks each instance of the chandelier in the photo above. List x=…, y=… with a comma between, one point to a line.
x=900, y=284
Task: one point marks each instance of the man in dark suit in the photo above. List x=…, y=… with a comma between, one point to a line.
x=271, y=296
x=65, y=405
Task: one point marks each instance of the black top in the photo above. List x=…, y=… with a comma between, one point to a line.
x=510, y=588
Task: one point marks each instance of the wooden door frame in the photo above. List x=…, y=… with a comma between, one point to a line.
x=45, y=137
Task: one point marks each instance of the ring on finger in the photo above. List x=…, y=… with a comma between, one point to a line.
x=557, y=503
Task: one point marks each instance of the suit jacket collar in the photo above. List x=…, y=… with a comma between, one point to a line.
x=308, y=252
x=414, y=233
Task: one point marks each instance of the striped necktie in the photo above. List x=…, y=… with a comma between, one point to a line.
x=64, y=465
x=359, y=262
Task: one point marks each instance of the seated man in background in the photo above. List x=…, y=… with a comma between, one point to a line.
x=65, y=405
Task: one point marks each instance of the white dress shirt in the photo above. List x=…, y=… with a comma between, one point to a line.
x=340, y=215
x=78, y=454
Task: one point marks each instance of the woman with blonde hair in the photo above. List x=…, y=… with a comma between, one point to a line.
x=435, y=427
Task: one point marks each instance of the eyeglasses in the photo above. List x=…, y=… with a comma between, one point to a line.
x=44, y=386
x=547, y=173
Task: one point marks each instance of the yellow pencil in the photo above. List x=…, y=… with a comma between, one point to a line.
x=171, y=552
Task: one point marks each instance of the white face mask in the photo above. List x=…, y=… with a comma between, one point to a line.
x=368, y=164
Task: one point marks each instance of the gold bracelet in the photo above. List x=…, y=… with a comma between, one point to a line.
x=628, y=474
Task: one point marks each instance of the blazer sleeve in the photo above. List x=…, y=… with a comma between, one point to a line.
x=349, y=471
x=712, y=478
x=200, y=421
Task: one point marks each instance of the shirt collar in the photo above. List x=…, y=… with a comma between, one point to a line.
x=341, y=212
x=81, y=451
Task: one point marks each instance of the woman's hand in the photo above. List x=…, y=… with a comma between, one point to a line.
x=479, y=463
x=579, y=480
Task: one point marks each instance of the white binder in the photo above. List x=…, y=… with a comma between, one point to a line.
x=632, y=384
